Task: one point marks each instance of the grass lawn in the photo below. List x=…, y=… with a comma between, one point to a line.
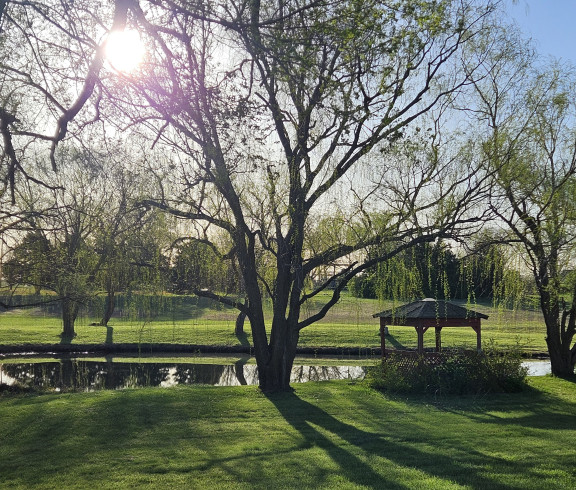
x=325, y=435
x=349, y=324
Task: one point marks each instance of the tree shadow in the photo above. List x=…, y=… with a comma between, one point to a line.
x=312, y=423
x=243, y=339
x=394, y=342
x=535, y=409
x=109, y=335
x=319, y=428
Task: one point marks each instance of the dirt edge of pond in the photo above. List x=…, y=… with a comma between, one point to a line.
x=151, y=348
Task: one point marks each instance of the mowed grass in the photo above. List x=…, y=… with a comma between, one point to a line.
x=324, y=435
x=350, y=324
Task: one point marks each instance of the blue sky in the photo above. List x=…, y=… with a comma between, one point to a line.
x=551, y=23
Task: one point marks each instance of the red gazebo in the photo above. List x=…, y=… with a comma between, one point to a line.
x=428, y=313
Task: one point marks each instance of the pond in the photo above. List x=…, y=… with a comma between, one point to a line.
x=537, y=368
x=118, y=373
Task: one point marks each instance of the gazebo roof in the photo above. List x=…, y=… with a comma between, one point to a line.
x=432, y=309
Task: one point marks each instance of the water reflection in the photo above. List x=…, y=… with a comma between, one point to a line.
x=82, y=375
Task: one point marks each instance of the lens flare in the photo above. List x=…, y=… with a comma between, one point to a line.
x=124, y=50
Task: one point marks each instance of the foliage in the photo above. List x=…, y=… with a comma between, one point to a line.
x=452, y=372
x=491, y=270
x=196, y=265
x=363, y=286
x=29, y=262
x=423, y=271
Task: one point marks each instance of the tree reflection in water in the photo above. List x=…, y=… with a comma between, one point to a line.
x=78, y=374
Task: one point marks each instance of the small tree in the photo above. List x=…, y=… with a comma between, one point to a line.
x=485, y=269
x=78, y=241
x=197, y=265
x=425, y=270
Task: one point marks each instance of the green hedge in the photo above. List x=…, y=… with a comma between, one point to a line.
x=453, y=372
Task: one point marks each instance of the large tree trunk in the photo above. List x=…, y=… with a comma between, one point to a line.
x=69, y=313
x=108, y=308
x=275, y=374
x=559, y=334
x=561, y=360
x=562, y=353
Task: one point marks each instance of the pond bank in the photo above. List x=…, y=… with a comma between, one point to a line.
x=153, y=348
x=149, y=348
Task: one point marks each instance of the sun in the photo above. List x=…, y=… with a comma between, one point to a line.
x=124, y=50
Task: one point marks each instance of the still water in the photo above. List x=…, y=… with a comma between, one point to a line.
x=537, y=368
x=88, y=375
x=114, y=373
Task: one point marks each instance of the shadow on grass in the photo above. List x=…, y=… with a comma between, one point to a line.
x=312, y=423
x=320, y=429
x=109, y=335
x=530, y=408
x=166, y=307
x=190, y=432
x=176, y=307
x=243, y=339
x=392, y=341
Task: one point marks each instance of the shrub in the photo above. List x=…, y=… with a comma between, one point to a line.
x=451, y=372
x=363, y=286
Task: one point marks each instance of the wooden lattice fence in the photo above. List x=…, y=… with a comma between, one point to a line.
x=410, y=361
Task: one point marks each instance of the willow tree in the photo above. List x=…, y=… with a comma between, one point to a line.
x=529, y=149
x=76, y=233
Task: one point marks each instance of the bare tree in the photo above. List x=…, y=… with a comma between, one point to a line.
x=77, y=232
x=52, y=64
x=275, y=108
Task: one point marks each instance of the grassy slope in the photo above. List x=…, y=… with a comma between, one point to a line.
x=349, y=324
x=327, y=435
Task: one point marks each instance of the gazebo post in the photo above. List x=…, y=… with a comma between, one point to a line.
x=383, y=337
x=478, y=329
x=421, y=330
x=438, y=339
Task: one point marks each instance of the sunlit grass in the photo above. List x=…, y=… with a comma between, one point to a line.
x=349, y=325
x=326, y=435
